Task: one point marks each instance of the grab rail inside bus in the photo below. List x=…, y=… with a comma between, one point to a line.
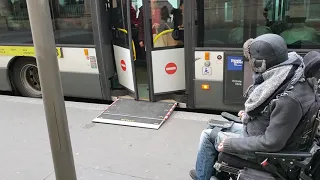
x=133, y=46
x=161, y=34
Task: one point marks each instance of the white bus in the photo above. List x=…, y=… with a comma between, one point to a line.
x=191, y=51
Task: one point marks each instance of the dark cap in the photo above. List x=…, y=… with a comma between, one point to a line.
x=269, y=47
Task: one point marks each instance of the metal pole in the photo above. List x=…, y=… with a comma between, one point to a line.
x=47, y=62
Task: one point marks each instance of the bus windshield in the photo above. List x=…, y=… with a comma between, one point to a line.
x=229, y=23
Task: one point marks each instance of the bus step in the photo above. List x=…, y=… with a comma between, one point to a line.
x=134, y=113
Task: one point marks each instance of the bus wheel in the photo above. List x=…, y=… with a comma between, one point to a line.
x=26, y=77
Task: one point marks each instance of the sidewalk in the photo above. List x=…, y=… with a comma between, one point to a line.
x=101, y=151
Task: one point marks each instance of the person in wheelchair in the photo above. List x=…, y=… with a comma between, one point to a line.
x=276, y=102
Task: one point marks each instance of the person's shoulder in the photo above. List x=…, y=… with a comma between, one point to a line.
x=303, y=93
x=302, y=90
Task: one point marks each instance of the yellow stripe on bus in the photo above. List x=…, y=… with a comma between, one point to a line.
x=22, y=51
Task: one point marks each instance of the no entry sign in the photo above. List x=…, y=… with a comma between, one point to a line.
x=123, y=65
x=171, y=68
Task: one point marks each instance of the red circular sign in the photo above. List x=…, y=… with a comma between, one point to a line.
x=123, y=65
x=171, y=68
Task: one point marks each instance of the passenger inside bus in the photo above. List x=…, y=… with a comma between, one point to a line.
x=165, y=20
x=135, y=32
x=133, y=16
x=178, y=16
x=276, y=102
x=291, y=23
x=155, y=15
x=297, y=30
x=162, y=21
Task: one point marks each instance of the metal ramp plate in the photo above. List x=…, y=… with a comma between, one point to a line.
x=130, y=112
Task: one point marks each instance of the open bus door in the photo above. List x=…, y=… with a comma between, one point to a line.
x=123, y=45
x=156, y=70
x=164, y=50
x=125, y=111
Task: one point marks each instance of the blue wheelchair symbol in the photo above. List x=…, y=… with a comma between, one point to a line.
x=206, y=70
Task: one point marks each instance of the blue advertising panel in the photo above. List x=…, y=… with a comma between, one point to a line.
x=235, y=63
x=233, y=80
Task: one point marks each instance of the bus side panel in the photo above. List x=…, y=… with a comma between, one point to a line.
x=213, y=97
x=79, y=73
x=4, y=80
x=5, y=84
x=81, y=85
x=209, y=82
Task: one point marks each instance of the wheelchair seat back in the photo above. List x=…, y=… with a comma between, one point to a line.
x=312, y=73
x=302, y=138
x=312, y=64
x=315, y=163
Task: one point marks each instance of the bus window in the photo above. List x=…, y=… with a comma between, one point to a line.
x=299, y=31
x=237, y=34
x=220, y=23
x=72, y=22
x=14, y=22
x=313, y=10
x=164, y=18
x=228, y=23
x=119, y=23
x=258, y=23
x=294, y=20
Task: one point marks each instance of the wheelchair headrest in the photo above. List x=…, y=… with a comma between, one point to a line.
x=312, y=63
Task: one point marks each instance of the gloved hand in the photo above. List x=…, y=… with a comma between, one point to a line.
x=242, y=114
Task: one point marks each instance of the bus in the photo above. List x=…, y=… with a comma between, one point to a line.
x=189, y=52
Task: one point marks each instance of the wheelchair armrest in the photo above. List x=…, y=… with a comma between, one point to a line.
x=285, y=154
x=231, y=117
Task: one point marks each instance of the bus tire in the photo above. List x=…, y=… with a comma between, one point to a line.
x=26, y=78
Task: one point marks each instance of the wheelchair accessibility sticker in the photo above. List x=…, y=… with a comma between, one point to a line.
x=206, y=70
x=235, y=63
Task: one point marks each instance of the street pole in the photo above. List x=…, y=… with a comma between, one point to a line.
x=47, y=62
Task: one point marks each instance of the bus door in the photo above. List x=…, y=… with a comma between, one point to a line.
x=163, y=41
x=123, y=45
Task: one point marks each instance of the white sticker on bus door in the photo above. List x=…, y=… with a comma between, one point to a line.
x=124, y=67
x=168, y=67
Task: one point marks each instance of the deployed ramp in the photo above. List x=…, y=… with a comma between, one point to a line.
x=130, y=112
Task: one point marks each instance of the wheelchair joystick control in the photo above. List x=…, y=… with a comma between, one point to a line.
x=231, y=117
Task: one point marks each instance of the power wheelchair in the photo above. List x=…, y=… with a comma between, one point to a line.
x=284, y=165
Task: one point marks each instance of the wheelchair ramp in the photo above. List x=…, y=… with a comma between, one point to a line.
x=136, y=113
